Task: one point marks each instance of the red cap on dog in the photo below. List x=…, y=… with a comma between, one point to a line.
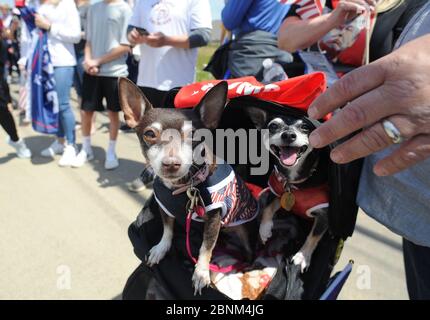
x=298, y=92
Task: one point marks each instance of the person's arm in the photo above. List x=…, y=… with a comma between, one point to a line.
x=197, y=38
x=133, y=37
x=68, y=30
x=295, y=33
x=233, y=13
x=113, y=54
x=89, y=64
x=394, y=88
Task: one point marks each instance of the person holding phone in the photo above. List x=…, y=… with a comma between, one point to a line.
x=169, y=33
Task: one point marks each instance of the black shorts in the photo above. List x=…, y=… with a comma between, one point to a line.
x=95, y=88
x=160, y=98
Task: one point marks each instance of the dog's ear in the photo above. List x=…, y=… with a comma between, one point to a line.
x=211, y=107
x=257, y=115
x=133, y=102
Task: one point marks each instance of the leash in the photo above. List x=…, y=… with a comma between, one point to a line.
x=196, y=204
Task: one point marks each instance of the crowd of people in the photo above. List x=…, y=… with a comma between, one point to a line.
x=155, y=44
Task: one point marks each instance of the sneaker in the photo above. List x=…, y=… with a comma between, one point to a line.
x=21, y=148
x=111, y=162
x=82, y=157
x=68, y=157
x=53, y=149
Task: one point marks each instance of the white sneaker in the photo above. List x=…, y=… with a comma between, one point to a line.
x=82, y=157
x=111, y=162
x=68, y=157
x=21, y=148
x=53, y=149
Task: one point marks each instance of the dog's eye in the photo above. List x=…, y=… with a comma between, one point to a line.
x=273, y=127
x=149, y=134
x=305, y=127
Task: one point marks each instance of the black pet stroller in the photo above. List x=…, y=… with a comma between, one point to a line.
x=171, y=278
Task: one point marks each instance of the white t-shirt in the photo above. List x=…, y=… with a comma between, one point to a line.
x=65, y=31
x=167, y=67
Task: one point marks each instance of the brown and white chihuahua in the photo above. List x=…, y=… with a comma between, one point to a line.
x=174, y=168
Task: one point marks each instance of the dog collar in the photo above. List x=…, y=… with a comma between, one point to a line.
x=288, y=184
x=197, y=178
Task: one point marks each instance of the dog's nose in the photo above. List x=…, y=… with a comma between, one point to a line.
x=288, y=136
x=171, y=163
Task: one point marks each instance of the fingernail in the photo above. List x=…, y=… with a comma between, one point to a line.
x=312, y=113
x=336, y=156
x=315, y=139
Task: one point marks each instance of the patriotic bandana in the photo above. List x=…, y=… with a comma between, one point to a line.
x=44, y=99
x=345, y=44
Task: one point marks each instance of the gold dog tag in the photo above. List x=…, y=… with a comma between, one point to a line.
x=287, y=201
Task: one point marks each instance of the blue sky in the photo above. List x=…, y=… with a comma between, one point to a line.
x=216, y=6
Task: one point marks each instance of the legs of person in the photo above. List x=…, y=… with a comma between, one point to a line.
x=6, y=118
x=417, y=266
x=91, y=101
x=64, y=81
x=110, y=92
x=113, y=135
x=86, y=128
x=114, y=125
x=8, y=123
x=86, y=122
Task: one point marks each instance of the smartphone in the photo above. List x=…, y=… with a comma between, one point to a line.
x=142, y=31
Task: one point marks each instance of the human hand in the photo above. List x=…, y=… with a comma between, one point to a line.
x=90, y=63
x=42, y=22
x=134, y=37
x=156, y=40
x=93, y=71
x=349, y=9
x=395, y=88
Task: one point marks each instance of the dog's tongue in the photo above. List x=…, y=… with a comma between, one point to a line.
x=288, y=156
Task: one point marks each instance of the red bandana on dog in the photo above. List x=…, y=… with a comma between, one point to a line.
x=298, y=92
x=306, y=200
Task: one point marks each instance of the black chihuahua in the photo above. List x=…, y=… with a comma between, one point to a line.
x=226, y=200
x=297, y=184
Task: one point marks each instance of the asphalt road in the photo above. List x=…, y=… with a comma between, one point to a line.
x=64, y=231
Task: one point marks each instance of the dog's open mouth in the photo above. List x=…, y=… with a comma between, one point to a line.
x=287, y=155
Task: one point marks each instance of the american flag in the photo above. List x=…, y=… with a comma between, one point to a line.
x=308, y=8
